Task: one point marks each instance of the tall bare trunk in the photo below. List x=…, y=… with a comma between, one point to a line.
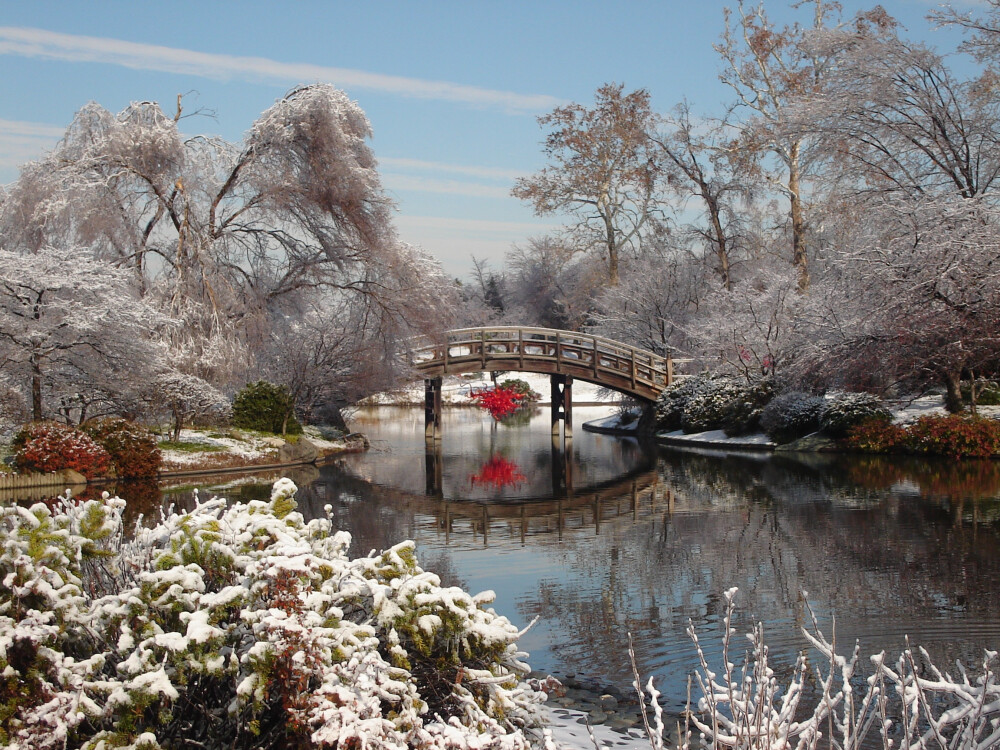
x=36, y=390
x=799, y=258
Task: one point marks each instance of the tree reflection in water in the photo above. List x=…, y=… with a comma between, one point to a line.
x=498, y=473
x=888, y=547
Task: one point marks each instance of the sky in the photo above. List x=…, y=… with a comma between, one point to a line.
x=453, y=90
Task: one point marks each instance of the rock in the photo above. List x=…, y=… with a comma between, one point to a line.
x=597, y=716
x=300, y=451
x=608, y=702
x=73, y=478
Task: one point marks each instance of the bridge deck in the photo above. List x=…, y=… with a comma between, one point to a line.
x=598, y=360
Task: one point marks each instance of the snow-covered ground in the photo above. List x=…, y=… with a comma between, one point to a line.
x=455, y=389
x=232, y=449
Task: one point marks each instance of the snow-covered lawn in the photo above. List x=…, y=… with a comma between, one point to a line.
x=210, y=449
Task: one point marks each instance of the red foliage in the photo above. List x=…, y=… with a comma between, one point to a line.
x=955, y=436
x=876, y=436
x=951, y=435
x=50, y=446
x=133, y=449
x=498, y=472
x=499, y=401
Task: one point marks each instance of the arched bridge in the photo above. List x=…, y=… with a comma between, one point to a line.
x=564, y=355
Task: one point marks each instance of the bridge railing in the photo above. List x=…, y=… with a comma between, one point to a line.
x=594, y=358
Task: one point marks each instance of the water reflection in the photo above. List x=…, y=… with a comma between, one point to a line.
x=886, y=548
x=606, y=536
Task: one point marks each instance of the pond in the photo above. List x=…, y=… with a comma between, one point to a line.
x=611, y=536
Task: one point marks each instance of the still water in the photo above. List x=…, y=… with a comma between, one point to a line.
x=611, y=537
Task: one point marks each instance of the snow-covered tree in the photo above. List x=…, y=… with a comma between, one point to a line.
x=770, y=69
x=65, y=318
x=224, y=236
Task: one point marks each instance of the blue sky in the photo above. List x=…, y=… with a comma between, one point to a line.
x=452, y=89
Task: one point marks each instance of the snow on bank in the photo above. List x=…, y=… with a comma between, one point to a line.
x=455, y=389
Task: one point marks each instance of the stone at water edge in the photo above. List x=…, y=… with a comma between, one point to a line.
x=301, y=450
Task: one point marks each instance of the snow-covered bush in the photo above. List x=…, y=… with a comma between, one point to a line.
x=742, y=415
x=845, y=410
x=242, y=626
x=792, y=415
x=707, y=409
x=828, y=701
x=704, y=402
x=51, y=446
x=672, y=400
x=133, y=449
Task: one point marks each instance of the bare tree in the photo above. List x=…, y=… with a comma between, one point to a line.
x=893, y=118
x=770, y=69
x=699, y=161
x=603, y=170
x=917, y=297
x=551, y=285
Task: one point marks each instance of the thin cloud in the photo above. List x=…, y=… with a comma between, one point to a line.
x=51, y=45
x=22, y=141
x=433, y=166
x=484, y=226
x=395, y=181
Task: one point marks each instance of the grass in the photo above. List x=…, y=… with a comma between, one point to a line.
x=186, y=446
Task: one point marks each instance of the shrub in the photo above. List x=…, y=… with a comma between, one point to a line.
x=265, y=407
x=670, y=405
x=267, y=635
x=521, y=386
x=846, y=410
x=792, y=415
x=742, y=415
x=954, y=435
x=709, y=407
x=133, y=449
x=876, y=435
x=51, y=446
x=987, y=393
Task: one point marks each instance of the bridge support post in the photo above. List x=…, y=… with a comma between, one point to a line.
x=562, y=405
x=432, y=408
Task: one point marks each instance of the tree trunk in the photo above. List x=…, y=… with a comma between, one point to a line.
x=36, y=391
x=721, y=245
x=799, y=258
x=953, y=396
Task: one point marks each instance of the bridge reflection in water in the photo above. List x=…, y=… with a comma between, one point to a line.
x=636, y=492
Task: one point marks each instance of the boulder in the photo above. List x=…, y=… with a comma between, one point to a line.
x=301, y=451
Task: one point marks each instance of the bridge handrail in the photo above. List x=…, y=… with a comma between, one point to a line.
x=426, y=342
x=569, y=349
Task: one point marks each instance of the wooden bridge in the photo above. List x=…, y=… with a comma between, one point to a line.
x=564, y=355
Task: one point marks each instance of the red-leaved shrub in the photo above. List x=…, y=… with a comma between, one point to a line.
x=956, y=436
x=133, y=449
x=50, y=446
x=500, y=401
x=876, y=436
x=950, y=435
